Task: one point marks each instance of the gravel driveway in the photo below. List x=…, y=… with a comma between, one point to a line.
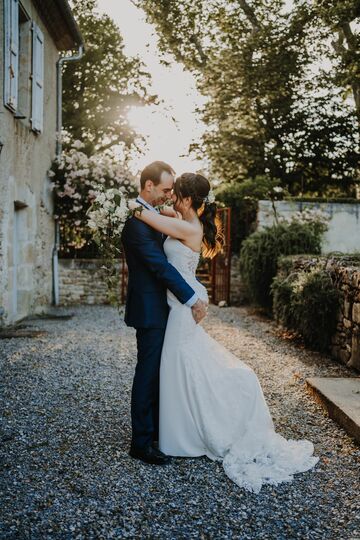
x=65, y=434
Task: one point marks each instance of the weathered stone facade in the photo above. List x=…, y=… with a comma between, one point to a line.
x=26, y=209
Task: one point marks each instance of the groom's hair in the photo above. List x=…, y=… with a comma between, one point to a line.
x=153, y=172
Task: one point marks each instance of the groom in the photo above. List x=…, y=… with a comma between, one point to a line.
x=150, y=275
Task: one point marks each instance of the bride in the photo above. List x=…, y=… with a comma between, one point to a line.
x=211, y=403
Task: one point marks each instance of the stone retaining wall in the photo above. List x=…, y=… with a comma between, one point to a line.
x=81, y=282
x=346, y=341
x=345, y=274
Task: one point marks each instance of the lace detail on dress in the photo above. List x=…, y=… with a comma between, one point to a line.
x=193, y=264
x=184, y=259
x=186, y=262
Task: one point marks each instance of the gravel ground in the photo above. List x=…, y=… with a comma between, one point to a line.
x=65, y=434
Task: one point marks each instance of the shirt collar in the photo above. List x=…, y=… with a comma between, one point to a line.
x=146, y=204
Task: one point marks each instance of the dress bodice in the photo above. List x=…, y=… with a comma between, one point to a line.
x=186, y=261
x=182, y=257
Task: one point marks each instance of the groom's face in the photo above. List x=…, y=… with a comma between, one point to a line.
x=163, y=191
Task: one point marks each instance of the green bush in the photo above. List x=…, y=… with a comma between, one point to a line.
x=260, y=252
x=242, y=198
x=282, y=292
x=308, y=302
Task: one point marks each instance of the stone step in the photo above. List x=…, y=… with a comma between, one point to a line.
x=341, y=399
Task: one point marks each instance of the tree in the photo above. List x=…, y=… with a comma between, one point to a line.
x=101, y=87
x=270, y=108
x=341, y=17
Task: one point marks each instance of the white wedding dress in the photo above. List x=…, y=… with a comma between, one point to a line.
x=211, y=403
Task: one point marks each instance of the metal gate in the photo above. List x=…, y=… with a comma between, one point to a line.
x=214, y=273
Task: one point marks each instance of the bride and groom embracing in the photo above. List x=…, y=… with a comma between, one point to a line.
x=190, y=396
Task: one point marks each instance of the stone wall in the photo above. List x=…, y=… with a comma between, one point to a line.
x=343, y=233
x=346, y=341
x=26, y=202
x=81, y=281
x=345, y=274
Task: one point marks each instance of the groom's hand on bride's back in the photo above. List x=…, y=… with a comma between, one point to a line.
x=199, y=310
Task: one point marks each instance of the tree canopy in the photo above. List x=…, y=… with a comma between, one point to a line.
x=278, y=82
x=99, y=89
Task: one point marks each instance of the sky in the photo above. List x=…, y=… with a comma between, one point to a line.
x=170, y=127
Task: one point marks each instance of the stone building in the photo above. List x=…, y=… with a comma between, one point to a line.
x=33, y=36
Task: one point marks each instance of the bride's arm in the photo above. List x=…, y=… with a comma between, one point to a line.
x=171, y=226
x=169, y=212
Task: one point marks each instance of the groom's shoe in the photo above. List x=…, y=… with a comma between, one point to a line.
x=149, y=455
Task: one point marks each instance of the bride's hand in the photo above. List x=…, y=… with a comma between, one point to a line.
x=199, y=310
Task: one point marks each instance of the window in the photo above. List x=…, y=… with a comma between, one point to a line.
x=24, y=74
x=37, y=78
x=11, y=55
x=24, y=65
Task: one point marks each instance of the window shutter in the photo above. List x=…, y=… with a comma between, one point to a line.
x=11, y=56
x=37, y=79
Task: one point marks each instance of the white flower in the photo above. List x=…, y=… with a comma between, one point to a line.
x=68, y=190
x=210, y=197
x=92, y=224
x=278, y=189
x=100, y=198
x=78, y=144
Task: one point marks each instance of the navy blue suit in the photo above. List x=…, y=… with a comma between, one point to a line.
x=150, y=274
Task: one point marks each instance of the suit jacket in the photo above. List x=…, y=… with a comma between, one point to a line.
x=150, y=274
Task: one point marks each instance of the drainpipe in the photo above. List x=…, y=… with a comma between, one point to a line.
x=58, y=151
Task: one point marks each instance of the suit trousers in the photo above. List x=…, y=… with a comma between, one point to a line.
x=145, y=389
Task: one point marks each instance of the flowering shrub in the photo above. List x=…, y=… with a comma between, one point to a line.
x=314, y=217
x=76, y=179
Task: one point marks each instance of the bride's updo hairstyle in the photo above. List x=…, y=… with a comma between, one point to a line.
x=198, y=187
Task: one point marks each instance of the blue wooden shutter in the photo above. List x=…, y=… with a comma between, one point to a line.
x=37, y=101
x=11, y=53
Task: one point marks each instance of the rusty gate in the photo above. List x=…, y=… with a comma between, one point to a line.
x=214, y=273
